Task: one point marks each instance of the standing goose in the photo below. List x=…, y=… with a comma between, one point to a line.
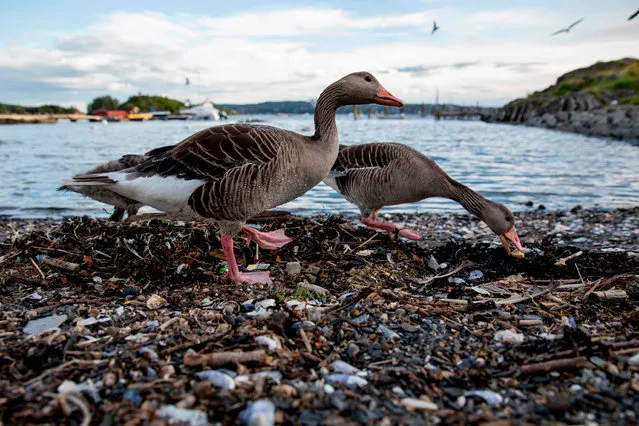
x=231, y=172
x=100, y=193
x=375, y=175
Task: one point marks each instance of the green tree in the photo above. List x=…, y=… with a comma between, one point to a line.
x=103, y=102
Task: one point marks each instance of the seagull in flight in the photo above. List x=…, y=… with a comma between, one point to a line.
x=435, y=28
x=633, y=15
x=567, y=30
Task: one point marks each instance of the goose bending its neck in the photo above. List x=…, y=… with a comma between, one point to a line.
x=375, y=175
x=232, y=172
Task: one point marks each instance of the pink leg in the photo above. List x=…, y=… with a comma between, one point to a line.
x=266, y=240
x=234, y=273
x=371, y=221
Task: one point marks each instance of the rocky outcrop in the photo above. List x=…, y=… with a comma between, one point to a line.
x=599, y=100
x=579, y=113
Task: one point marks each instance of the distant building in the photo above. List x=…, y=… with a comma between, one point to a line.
x=111, y=114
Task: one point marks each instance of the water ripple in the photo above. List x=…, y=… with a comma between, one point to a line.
x=508, y=164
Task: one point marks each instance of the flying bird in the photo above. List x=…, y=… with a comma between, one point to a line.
x=566, y=30
x=633, y=15
x=188, y=81
x=435, y=28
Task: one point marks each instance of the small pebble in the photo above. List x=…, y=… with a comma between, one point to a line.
x=258, y=413
x=293, y=268
x=509, y=336
x=155, y=302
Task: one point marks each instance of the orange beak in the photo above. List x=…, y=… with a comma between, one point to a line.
x=384, y=97
x=512, y=237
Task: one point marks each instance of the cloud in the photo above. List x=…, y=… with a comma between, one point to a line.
x=295, y=53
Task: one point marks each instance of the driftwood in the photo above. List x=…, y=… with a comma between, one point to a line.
x=558, y=364
x=217, y=359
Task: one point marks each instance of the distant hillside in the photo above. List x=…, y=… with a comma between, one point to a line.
x=152, y=103
x=599, y=100
x=42, y=109
x=607, y=81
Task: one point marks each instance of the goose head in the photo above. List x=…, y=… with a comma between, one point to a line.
x=502, y=222
x=363, y=88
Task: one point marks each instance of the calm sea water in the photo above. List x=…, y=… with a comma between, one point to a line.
x=508, y=164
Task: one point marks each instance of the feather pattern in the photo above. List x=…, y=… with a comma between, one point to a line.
x=375, y=175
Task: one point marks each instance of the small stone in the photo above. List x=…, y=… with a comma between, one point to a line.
x=340, y=366
x=182, y=416
x=155, y=302
x=349, y=380
x=388, y=333
x=634, y=360
x=475, y=275
x=109, y=379
x=133, y=396
x=258, y=413
x=352, y=350
x=491, y=398
x=284, y=391
x=270, y=343
x=217, y=378
x=509, y=336
x=412, y=404
x=293, y=268
x=167, y=371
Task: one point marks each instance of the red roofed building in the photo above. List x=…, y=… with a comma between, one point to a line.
x=111, y=114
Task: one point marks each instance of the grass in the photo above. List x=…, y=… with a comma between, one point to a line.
x=599, y=79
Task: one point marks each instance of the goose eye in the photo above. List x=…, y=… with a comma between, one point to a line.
x=368, y=78
x=508, y=219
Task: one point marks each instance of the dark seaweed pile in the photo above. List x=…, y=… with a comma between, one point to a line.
x=448, y=329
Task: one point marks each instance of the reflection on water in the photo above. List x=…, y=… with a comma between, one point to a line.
x=508, y=164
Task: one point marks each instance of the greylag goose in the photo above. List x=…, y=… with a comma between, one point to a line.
x=99, y=193
x=375, y=175
x=231, y=172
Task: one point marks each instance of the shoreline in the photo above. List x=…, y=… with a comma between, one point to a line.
x=358, y=326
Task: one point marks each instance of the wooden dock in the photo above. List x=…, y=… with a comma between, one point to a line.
x=458, y=114
x=42, y=118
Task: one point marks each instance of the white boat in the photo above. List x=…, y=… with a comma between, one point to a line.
x=204, y=111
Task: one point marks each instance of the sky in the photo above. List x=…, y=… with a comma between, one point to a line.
x=243, y=51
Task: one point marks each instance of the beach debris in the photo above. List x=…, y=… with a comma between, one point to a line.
x=413, y=404
x=475, y=275
x=433, y=263
x=517, y=254
x=219, y=379
x=258, y=267
x=293, y=268
x=156, y=302
x=258, y=413
x=610, y=294
x=364, y=253
x=320, y=291
x=39, y=325
x=492, y=398
x=510, y=337
x=182, y=416
x=563, y=260
x=58, y=263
